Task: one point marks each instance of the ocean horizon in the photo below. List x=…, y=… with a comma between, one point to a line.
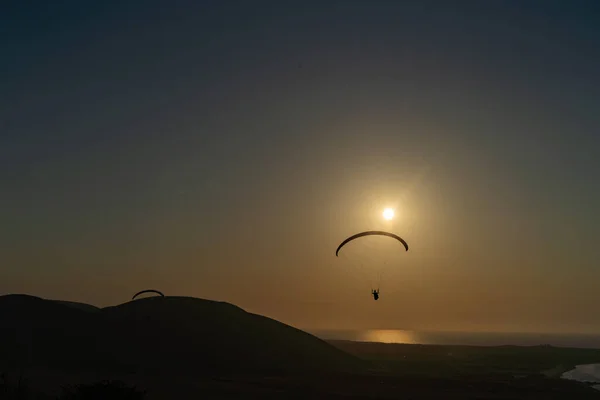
x=591, y=341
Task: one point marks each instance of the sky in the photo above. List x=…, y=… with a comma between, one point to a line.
x=223, y=149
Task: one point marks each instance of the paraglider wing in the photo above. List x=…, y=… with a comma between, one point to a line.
x=147, y=291
x=368, y=233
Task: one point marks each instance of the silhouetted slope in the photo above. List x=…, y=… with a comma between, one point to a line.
x=81, y=306
x=192, y=333
x=170, y=333
x=43, y=332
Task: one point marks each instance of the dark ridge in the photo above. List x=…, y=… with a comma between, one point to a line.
x=159, y=334
x=190, y=333
x=45, y=332
x=81, y=306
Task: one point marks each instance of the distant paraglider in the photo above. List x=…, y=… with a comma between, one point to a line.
x=374, y=292
x=147, y=291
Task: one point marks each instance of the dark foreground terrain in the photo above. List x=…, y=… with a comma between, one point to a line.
x=185, y=348
x=479, y=377
x=339, y=387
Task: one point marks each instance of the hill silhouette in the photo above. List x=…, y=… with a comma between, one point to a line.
x=81, y=306
x=182, y=347
x=158, y=334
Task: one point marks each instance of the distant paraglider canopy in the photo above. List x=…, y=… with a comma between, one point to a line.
x=369, y=233
x=147, y=291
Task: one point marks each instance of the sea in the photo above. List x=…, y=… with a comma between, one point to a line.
x=591, y=341
x=589, y=373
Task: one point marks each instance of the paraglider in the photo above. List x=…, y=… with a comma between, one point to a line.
x=374, y=292
x=369, y=233
x=147, y=291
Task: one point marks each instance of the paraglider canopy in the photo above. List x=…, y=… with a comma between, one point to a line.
x=147, y=291
x=369, y=233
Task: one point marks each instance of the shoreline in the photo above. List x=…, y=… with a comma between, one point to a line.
x=482, y=339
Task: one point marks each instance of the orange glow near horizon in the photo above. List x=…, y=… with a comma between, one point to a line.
x=388, y=336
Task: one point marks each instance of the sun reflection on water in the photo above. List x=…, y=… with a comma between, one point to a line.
x=388, y=336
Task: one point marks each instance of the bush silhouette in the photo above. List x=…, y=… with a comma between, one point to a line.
x=114, y=390
x=18, y=389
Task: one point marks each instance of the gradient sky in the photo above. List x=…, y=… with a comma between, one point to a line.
x=222, y=149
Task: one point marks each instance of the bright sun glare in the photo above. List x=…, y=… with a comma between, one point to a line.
x=388, y=214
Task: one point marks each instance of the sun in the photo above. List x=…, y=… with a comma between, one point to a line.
x=388, y=214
